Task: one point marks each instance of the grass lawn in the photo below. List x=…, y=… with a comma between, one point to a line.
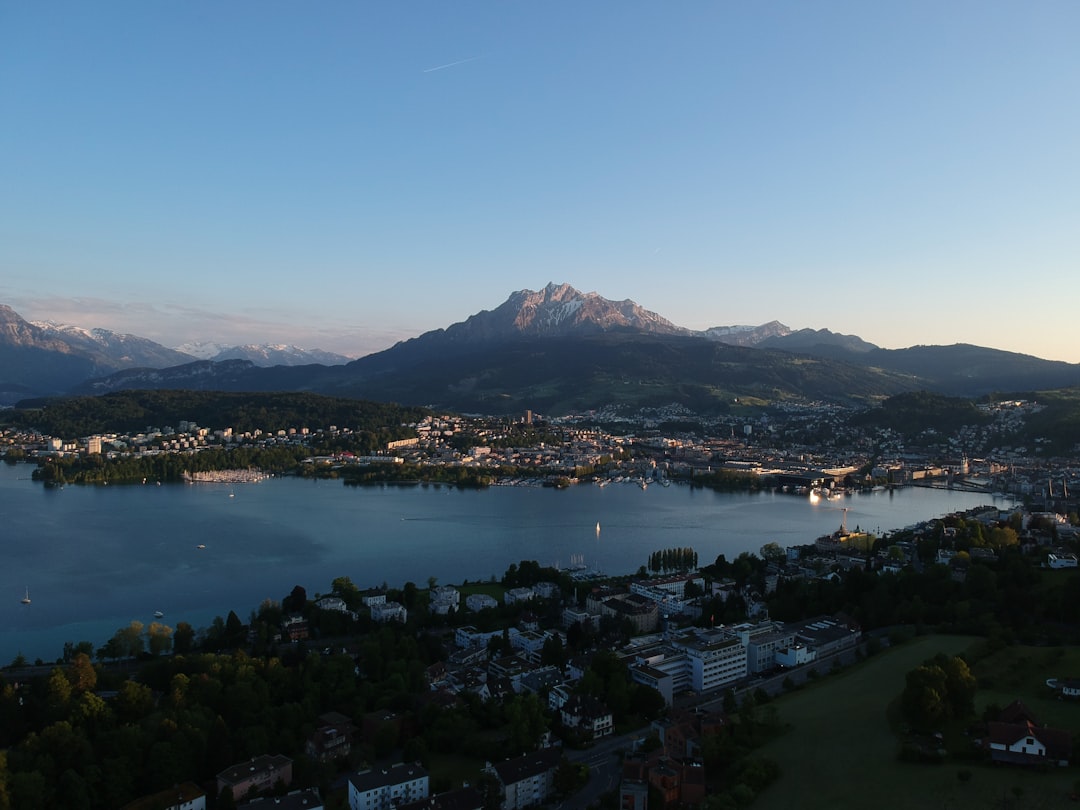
x=841, y=753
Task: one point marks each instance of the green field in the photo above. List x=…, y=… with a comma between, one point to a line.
x=840, y=751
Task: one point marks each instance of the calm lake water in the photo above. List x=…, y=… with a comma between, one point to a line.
x=95, y=558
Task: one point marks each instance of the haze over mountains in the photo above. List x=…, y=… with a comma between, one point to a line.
x=556, y=349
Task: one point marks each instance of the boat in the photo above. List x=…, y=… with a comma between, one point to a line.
x=26, y=599
x=598, y=528
x=158, y=614
x=201, y=546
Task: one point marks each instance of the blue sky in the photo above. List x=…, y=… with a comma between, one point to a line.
x=343, y=175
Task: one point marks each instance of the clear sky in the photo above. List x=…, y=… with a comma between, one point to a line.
x=342, y=175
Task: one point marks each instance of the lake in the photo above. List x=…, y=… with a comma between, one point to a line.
x=94, y=558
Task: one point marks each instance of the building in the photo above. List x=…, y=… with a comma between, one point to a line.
x=763, y=641
x=1015, y=738
x=480, y=601
x=387, y=788
x=587, y=714
x=1061, y=560
x=443, y=600
x=383, y=612
x=260, y=775
x=332, y=738
x=527, y=780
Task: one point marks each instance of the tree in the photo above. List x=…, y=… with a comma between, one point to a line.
x=159, y=638
x=773, y=553
x=924, y=702
x=183, y=638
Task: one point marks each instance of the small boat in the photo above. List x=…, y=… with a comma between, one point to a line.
x=201, y=546
x=26, y=599
x=598, y=528
x=158, y=614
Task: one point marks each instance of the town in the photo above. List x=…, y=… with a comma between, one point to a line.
x=663, y=668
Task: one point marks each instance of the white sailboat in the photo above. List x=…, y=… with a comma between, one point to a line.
x=26, y=599
x=598, y=528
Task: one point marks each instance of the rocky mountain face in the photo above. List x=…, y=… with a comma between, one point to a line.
x=558, y=310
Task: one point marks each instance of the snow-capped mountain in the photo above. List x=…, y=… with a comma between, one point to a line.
x=118, y=349
x=265, y=354
x=747, y=335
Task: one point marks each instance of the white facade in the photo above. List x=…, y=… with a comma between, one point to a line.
x=389, y=612
x=386, y=788
x=480, y=601
x=1061, y=560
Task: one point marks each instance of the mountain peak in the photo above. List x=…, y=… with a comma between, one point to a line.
x=559, y=310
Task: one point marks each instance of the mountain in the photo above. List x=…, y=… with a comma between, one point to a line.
x=45, y=358
x=559, y=350
x=556, y=349
x=747, y=335
x=265, y=354
x=119, y=349
x=558, y=310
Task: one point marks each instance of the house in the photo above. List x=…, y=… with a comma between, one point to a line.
x=296, y=628
x=480, y=601
x=444, y=600
x=515, y=596
x=386, y=788
x=332, y=738
x=383, y=612
x=308, y=799
x=185, y=796
x=527, y=780
x=587, y=714
x=1015, y=738
x=260, y=775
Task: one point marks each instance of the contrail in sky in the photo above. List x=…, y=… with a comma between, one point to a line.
x=452, y=64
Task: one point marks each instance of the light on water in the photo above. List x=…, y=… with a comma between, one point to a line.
x=96, y=558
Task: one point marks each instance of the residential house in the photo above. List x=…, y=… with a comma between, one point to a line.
x=443, y=600
x=515, y=596
x=296, y=628
x=332, y=738
x=587, y=714
x=383, y=612
x=480, y=601
x=260, y=775
x=388, y=788
x=527, y=780
x=1015, y=738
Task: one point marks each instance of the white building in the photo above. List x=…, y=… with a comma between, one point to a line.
x=480, y=601
x=1061, y=560
x=386, y=788
x=444, y=600
x=389, y=612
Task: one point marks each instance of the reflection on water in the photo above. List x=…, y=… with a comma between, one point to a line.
x=96, y=558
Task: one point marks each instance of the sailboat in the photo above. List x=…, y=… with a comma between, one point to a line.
x=26, y=599
x=598, y=528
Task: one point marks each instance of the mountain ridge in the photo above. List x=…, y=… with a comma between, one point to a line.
x=558, y=347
